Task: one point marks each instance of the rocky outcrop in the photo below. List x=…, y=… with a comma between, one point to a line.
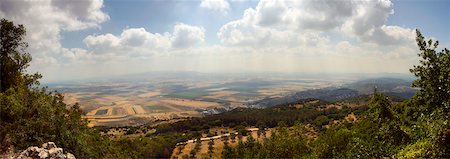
x=48, y=151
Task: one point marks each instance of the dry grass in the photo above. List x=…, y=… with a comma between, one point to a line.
x=149, y=94
x=218, y=144
x=138, y=109
x=351, y=118
x=71, y=98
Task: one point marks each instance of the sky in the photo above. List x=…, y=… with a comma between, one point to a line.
x=79, y=39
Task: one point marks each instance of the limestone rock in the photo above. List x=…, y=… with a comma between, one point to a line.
x=49, y=150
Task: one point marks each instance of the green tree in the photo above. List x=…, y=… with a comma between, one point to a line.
x=13, y=57
x=30, y=116
x=433, y=74
x=211, y=145
x=433, y=100
x=242, y=131
x=379, y=107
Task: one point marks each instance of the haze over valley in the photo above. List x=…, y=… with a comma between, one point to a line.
x=149, y=97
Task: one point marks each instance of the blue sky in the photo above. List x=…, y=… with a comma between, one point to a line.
x=160, y=16
x=95, y=38
x=430, y=16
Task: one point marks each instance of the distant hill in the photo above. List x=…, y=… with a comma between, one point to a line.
x=365, y=97
x=398, y=89
x=367, y=86
x=389, y=86
x=328, y=94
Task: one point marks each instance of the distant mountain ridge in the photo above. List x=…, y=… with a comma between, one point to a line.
x=395, y=87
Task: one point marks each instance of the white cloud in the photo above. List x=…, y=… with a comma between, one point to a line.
x=102, y=42
x=368, y=24
x=271, y=21
x=216, y=5
x=138, y=41
x=185, y=35
x=45, y=20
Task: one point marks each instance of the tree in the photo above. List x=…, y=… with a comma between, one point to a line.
x=242, y=131
x=379, y=107
x=211, y=145
x=30, y=116
x=433, y=74
x=433, y=99
x=13, y=57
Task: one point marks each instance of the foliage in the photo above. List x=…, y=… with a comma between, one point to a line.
x=13, y=58
x=433, y=74
x=420, y=149
x=416, y=128
x=281, y=145
x=30, y=115
x=268, y=117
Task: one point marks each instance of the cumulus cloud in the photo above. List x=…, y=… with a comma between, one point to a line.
x=368, y=24
x=270, y=21
x=46, y=20
x=185, y=35
x=102, y=43
x=216, y=5
x=140, y=41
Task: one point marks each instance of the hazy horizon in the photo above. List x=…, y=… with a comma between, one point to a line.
x=73, y=40
x=194, y=75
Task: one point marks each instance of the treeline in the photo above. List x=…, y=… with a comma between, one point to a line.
x=266, y=118
x=415, y=128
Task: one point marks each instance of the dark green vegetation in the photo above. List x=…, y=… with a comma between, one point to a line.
x=416, y=128
x=263, y=118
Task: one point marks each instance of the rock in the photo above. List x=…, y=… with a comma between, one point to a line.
x=43, y=154
x=49, y=145
x=49, y=150
x=70, y=156
x=55, y=151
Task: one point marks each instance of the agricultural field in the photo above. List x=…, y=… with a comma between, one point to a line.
x=133, y=102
